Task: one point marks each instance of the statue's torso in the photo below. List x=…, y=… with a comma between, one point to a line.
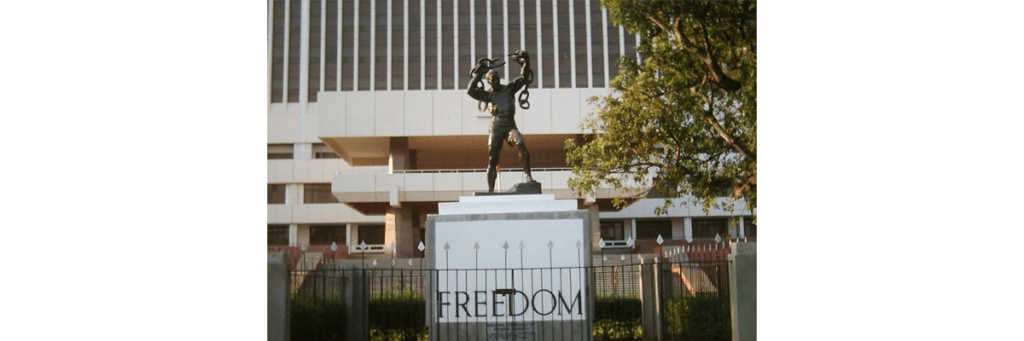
x=502, y=107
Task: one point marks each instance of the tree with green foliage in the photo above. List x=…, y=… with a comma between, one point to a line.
x=683, y=120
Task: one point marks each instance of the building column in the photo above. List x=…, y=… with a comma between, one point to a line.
x=293, y=235
x=678, y=228
x=398, y=229
x=350, y=237
x=301, y=234
x=688, y=228
x=399, y=158
x=632, y=230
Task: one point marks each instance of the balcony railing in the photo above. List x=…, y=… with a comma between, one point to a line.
x=370, y=248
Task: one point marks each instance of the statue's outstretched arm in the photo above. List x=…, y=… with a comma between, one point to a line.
x=526, y=77
x=474, y=89
x=523, y=58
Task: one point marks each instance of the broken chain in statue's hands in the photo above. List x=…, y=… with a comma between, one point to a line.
x=523, y=58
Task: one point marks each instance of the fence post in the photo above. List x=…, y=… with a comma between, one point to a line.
x=278, y=297
x=743, y=291
x=356, y=295
x=650, y=287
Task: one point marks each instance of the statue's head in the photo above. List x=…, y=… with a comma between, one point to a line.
x=494, y=78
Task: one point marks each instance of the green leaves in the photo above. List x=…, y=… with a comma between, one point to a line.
x=683, y=120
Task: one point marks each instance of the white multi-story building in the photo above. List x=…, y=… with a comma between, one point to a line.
x=370, y=126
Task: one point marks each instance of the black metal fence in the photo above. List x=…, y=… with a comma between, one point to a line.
x=618, y=305
x=340, y=301
x=694, y=300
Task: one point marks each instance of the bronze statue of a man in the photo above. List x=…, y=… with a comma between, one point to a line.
x=500, y=101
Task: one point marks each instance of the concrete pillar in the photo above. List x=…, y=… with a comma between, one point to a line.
x=350, y=237
x=632, y=229
x=293, y=235
x=651, y=296
x=399, y=158
x=356, y=296
x=687, y=228
x=678, y=228
x=743, y=291
x=398, y=229
x=301, y=234
x=278, y=298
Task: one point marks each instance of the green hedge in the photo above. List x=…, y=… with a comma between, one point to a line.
x=317, y=318
x=398, y=316
x=702, y=317
x=617, y=318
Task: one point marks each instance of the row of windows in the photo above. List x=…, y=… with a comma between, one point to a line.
x=364, y=44
x=650, y=229
x=287, y=151
x=325, y=234
x=319, y=193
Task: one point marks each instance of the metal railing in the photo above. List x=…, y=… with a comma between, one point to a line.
x=388, y=300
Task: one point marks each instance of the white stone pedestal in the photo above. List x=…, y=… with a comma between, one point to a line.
x=510, y=267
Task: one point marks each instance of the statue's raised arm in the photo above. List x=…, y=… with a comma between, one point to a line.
x=525, y=78
x=476, y=75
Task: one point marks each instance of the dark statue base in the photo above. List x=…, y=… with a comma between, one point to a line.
x=517, y=189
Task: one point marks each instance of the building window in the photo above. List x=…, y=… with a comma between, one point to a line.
x=749, y=228
x=650, y=229
x=326, y=234
x=708, y=228
x=321, y=151
x=279, y=151
x=318, y=194
x=612, y=230
x=313, y=79
x=277, y=54
x=277, y=235
x=371, y=234
x=275, y=193
x=294, y=49
x=347, y=48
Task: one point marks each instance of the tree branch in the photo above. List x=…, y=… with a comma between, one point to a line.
x=709, y=117
x=721, y=78
x=686, y=44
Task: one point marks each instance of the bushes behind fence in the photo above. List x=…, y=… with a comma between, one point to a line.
x=699, y=317
x=398, y=316
x=617, y=318
x=317, y=317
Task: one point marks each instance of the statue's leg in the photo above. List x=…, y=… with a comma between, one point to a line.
x=494, y=155
x=516, y=140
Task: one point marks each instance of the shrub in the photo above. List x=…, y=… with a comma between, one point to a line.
x=617, y=318
x=317, y=317
x=699, y=317
x=398, y=316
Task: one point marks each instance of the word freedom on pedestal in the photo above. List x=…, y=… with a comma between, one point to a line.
x=541, y=304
